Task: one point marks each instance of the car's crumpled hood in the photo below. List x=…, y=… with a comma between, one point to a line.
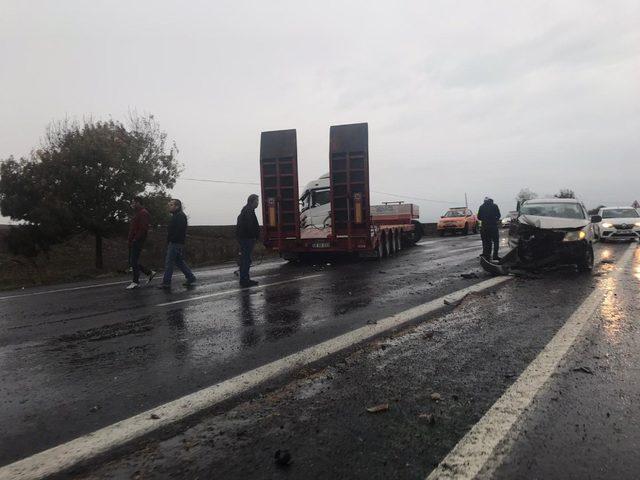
x=553, y=223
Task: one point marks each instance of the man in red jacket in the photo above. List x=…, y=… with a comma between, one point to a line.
x=137, y=235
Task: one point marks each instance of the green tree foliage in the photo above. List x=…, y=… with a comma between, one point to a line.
x=84, y=177
x=565, y=193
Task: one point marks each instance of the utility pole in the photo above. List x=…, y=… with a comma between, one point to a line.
x=466, y=204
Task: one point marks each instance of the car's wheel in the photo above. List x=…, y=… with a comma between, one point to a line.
x=465, y=230
x=475, y=228
x=441, y=233
x=585, y=264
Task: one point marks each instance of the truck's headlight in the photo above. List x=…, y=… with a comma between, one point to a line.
x=607, y=225
x=574, y=236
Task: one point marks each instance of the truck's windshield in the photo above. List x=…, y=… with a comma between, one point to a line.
x=320, y=197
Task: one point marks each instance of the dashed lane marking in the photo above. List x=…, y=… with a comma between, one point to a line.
x=225, y=292
x=83, y=450
x=479, y=448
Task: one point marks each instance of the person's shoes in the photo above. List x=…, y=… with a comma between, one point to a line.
x=496, y=258
x=151, y=276
x=249, y=283
x=164, y=286
x=190, y=283
x=132, y=285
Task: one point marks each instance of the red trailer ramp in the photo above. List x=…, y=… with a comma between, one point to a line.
x=349, y=179
x=279, y=180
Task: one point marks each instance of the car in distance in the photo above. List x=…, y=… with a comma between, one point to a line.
x=458, y=219
x=618, y=223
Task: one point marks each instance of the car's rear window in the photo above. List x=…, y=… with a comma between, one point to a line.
x=620, y=213
x=558, y=210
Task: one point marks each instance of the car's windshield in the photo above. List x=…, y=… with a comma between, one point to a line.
x=454, y=213
x=620, y=213
x=559, y=210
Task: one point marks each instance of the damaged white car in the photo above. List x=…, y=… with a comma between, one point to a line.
x=548, y=232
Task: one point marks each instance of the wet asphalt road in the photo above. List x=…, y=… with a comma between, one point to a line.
x=75, y=359
x=582, y=425
x=124, y=352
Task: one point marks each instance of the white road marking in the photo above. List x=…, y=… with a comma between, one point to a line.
x=83, y=449
x=225, y=292
x=479, y=445
x=70, y=289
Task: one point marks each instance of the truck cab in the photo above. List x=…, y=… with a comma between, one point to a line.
x=315, y=209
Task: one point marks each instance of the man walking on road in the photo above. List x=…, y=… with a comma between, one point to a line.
x=489, y=215
x=176, y=237
x=247, y=232
x=137, y=236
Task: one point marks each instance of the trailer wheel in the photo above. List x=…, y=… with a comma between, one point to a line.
x=380, y=250
x=417, y=231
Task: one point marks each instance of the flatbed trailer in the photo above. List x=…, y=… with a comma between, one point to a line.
x=352, y=224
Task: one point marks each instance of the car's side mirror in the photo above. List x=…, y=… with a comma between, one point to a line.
x=596, y=219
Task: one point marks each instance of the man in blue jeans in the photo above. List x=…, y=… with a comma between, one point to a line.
x=247, y=232
x=176, y=237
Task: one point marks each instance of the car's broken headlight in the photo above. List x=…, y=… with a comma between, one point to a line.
x=574, y=236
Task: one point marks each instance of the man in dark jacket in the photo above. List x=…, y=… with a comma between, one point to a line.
x=176, y=237
x=247, y=232
x=137, y=235
x=489, y=215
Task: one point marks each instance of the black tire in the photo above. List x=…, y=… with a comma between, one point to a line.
x=441, y=233
x=465, y=230
x=417, y=231
x=475, y=228
x=585, y=264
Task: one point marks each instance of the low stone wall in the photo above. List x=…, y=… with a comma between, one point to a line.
x=74, y=259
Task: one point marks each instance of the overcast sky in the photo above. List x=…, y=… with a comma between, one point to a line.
x=482, y=97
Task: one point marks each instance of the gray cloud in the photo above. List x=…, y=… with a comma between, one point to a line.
x=475, y=97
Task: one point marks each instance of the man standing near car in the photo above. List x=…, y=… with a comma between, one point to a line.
x=489, y=215
x=137, y=236
x=247, y=232
x=176, y=237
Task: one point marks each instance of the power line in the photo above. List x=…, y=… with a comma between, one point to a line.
x=413, y=198
x=219, y=181
x=229, y=182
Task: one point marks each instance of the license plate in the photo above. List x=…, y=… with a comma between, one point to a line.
x=320, y=245
x=624, y=232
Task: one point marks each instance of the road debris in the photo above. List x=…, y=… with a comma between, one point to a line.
x=94, y=409
x=583, y=369
x=383, y=407
x=469, y=275
x=452, y=302
x=436, y=397
x=282, y=458
x=154, y=416
x=429, y=417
